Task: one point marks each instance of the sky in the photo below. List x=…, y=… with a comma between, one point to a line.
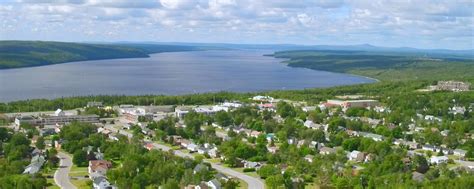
x=447, y=24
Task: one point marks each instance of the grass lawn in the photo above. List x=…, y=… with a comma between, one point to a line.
x=252, y=174
x=78, y=171
x=311, y=186
x=82, y=183
x=214, y=160
x=50, y=173
x=51, y=184
x=242, y=184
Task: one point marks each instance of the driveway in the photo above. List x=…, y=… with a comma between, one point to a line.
x=61, y=176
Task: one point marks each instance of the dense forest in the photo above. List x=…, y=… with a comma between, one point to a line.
x=382, y=65
x=16, y=54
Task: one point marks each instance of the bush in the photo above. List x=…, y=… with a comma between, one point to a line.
x=249, y=170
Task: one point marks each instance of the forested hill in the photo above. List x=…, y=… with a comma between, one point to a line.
x=387, y=66
x=17, y=54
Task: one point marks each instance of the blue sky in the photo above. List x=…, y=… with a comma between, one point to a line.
x=412, y=23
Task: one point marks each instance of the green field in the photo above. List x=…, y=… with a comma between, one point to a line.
x=382, y=66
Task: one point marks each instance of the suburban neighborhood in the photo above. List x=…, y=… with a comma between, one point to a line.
x=243, y=138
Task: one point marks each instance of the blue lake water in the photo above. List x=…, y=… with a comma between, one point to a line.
x=166, y=73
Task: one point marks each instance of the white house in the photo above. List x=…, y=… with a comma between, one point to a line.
x=309, y=108
x=460, y=152
x=192, y=147
x=327, y=151
x=214, y=184
x=101, y=183
x=428, y=147
x=438, y=159
x=356, y=156
x=310, y=124
x=373, y=136
x=59, y=112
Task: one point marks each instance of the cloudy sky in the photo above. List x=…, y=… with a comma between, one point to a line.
x=413, y=23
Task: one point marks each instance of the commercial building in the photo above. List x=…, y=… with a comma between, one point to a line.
x=352, y=103
x=61, y=120
x=28, y=120
x=452, y=86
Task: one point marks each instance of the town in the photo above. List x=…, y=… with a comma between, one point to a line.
x=253, y=143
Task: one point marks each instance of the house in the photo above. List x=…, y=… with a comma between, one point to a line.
x=181, y=111
x=255, y=134
x=444, y=133
x=184, y=143
x=175, y=139
x=308, y=108
x=213, y=152
x=432, y=118
x=270, y=137
x=446, y=151
x=113, y=137
x=220, y=176
x=326, y=151
x=374, y=137
x=202, y=150
x=99, y=155
x=309, y=158
x=127, y=126
x=457, y=110
x=94, y=104
x=460, y=152
x=149, y=146
x=251, y=164
x=99, y=166
x=409, y=144
x=59, y=112
x=438, y=159
x=214, y=184
x=310, y=124
x=369, y=157
x=267, y=106
x=428, y=147
x=101, y=183
x=356, y=156
x=47, y=131
x=200, y=167
x=192, y=147
x=36, y=163
x=262, y=98
x=300, y=143
x=272, y=149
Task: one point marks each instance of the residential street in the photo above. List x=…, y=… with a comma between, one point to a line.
x=253, y=183
x=61, y=176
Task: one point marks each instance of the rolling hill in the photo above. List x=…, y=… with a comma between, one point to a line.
x=17, y=54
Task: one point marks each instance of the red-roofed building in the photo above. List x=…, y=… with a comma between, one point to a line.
x=99, y=166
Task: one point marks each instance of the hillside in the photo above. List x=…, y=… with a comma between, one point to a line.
x=17, y=54
x=381, y=65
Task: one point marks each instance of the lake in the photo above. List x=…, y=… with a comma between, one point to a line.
x=166, y=73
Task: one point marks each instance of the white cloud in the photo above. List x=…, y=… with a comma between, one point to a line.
x=383, y=22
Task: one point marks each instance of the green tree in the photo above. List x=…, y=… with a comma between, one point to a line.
x=275, y=181
x=40, y=143
x=171, y=184
x=223, y=118
x=80, y=158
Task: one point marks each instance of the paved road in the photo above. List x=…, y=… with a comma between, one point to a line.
x=61, y=176
x=252, y=182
